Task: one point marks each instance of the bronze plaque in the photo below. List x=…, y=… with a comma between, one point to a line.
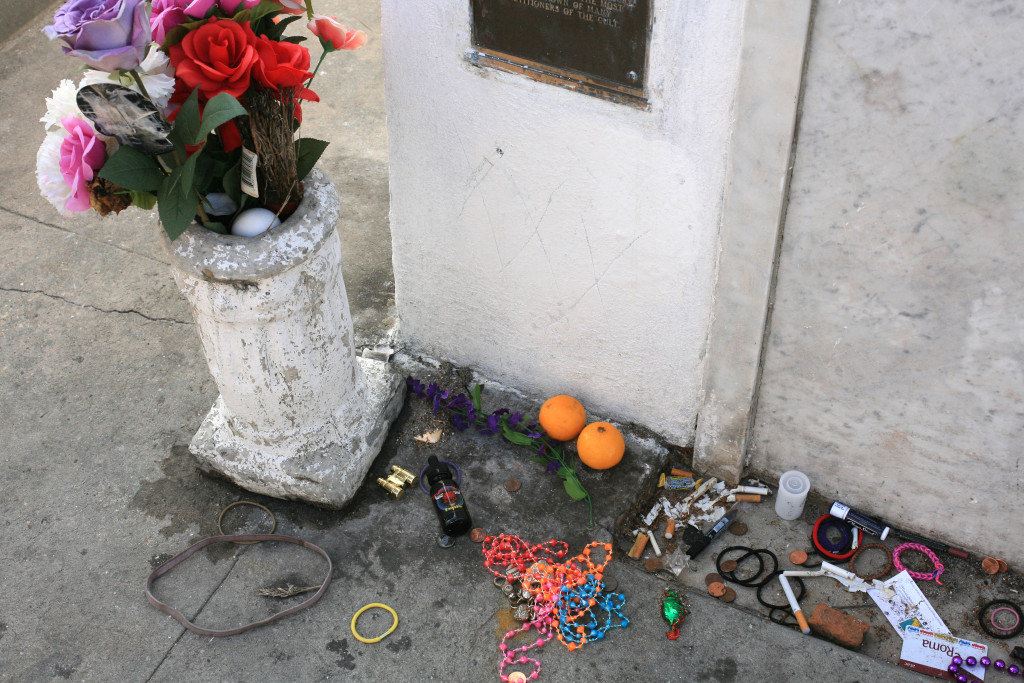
x=598, y=46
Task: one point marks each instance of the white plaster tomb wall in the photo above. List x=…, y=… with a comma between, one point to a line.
x=553, y=240
x=894, y=373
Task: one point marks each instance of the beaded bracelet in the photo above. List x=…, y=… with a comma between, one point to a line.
x=939, y=568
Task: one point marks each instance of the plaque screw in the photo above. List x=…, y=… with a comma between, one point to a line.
x=631, y=76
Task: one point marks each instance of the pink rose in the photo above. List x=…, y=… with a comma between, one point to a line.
x=292, y=6
x=230, y=6
x=81, y=155
x=333, y=35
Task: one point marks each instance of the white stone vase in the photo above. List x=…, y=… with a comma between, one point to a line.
x=299, y=416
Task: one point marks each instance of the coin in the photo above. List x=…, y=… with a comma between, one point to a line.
x=712, y=578
x=717, y=589
x=477, y=535
x=729, y=595
x=513, y=485
x=729, y=565
x=738, y=528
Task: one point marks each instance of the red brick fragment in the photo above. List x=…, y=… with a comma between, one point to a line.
x=839, y=627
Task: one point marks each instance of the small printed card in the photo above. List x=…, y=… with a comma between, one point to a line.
x=930, y=653
x=908, y=607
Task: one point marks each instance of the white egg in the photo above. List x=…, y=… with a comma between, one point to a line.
x=252, y=222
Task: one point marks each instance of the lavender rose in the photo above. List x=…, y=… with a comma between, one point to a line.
x=105, y=34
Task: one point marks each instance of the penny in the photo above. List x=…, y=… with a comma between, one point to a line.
x=1002, y=565
x=729, y=595
x=712, y=578
x=513, y=485
x=517, y=677
x=477, y=535
x=652, y=564
x=610, y=584
x=717, y=589
x=729, y=565
x=990, y=565
x=798, y=557
x=738, y=528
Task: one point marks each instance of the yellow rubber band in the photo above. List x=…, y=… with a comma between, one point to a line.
x=383, y=635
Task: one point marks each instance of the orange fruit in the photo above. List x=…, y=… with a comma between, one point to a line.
x=562, y=417
x=600, y=446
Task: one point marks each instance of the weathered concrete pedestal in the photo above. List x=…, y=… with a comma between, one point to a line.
x=298, y=416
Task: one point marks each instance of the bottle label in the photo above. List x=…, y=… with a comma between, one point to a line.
x=448, y=498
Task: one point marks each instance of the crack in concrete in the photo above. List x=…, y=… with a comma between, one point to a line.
x=95, y=308
x=198, y=612
x=84, y=237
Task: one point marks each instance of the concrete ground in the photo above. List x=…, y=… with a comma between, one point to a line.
x=103, y=383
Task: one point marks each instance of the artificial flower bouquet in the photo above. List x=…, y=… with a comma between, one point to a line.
x=191, y=106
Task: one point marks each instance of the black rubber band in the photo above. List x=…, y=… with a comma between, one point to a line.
x=731, y=576
x=995, y=633
x=754, y=580
x=774, y=569
x=799, y=594
x=786, y=615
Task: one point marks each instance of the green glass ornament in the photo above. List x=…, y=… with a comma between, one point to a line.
x=673, y=610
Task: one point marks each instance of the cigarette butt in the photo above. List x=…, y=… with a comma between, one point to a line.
x=670, y=528
x=676, y=472
x=661, y=480
x=748, y=497
x=804, y=627
x=654, y=546
x=638, y=546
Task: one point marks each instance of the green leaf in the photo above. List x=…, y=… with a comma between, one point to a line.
x=132, y=170
x=542, y=461
x=180, y=179
x=518, y=438
x=475, y=395
x=256, y=13
x=293, y=39
x=308, y=151
x=217, y=111
x=232, y=182
x=573, y=488
x=177, y=200
x=178, y=33
x=144, y=200
x=186, y=124
x=176, y=213
x=275, y=31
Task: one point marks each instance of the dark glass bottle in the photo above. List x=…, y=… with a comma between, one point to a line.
x=447, y=498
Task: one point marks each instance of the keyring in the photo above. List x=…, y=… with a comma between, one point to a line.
x=220, y=519
x=381, y=636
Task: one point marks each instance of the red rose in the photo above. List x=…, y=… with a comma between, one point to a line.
x=281, y=65
x=284, y=65
x=218, y=57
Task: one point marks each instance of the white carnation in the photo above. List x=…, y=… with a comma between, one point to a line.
x=48, y=176
x=61, y=105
